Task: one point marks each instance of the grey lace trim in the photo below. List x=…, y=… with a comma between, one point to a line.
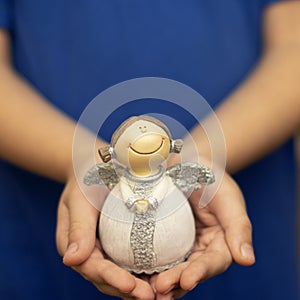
x=141, y=240
x=157, y=269
x=143, y=226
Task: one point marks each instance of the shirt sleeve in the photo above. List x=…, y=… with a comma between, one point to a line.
x=5, y=14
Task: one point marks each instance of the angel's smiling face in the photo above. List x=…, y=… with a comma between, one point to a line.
x=142, y=147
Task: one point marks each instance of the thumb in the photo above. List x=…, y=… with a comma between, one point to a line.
x=229, y=207
x=83, y=218
x=239, y=238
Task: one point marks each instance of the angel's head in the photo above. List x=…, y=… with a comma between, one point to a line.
x=142, y=144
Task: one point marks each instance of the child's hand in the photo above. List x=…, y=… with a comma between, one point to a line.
x=223, y=235
x=77, y=243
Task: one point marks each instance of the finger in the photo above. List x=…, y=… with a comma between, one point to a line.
x=168, y=280
x=104, y=272
x=215, y=260
x=239, y=239
x=108, y=277
x=178, y=293
x=152, y=282
x=62, y=228
x=142, y=290
x=111, y=291
x=229, y=207
x=168, y=296
x=175, y=293
x=82, y=229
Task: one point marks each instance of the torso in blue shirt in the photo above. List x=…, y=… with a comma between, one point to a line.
x=72, y=50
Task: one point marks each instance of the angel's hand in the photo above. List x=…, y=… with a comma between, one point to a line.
x=76, y=242
x=223, y=235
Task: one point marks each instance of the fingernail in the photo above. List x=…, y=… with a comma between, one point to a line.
x=247, y=251
x=72, y=248
x=193, y=286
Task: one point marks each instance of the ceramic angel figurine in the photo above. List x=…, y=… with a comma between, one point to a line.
x=146, y=223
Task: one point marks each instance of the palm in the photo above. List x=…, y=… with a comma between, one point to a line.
x=219, y=229
x=210, y=242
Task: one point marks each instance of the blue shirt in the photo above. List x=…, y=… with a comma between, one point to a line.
x=72, y=50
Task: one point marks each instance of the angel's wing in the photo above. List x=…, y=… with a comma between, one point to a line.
x=106, y=174
x=190, y=176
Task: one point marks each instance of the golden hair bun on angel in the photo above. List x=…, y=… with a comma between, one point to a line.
x=146, y=223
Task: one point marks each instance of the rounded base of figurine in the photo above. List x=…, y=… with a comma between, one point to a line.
x=156, y=269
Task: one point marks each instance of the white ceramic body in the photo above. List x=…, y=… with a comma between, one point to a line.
x=174, y=233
